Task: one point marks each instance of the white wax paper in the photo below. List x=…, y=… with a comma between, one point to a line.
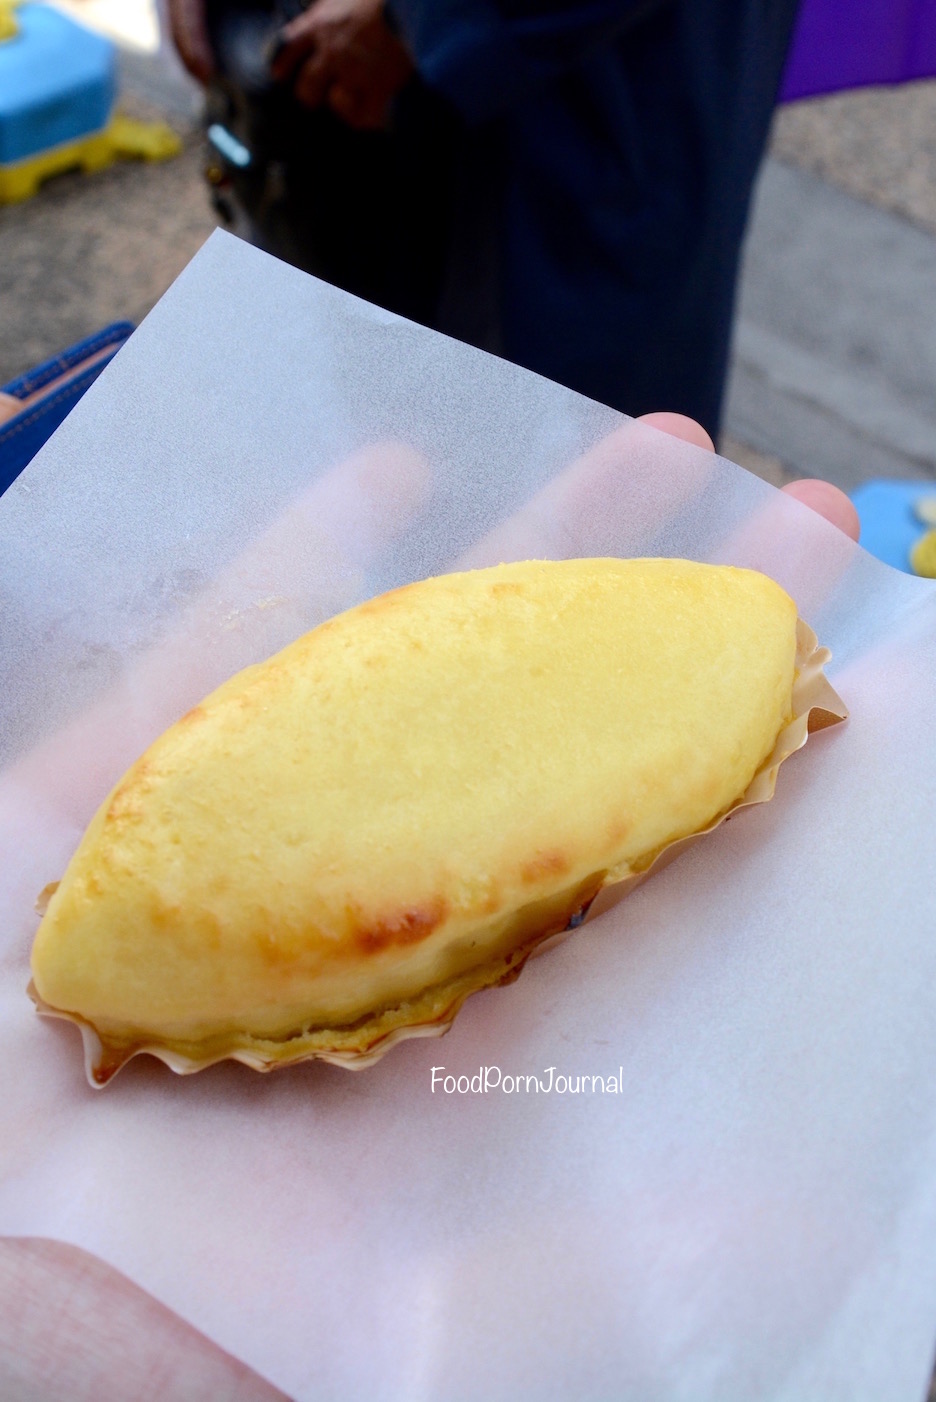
x=753, y=1214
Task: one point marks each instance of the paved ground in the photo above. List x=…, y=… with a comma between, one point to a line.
x=878, y=145
x=93, y=249
x=835, y=353
x=835, y=361
x=835, y=343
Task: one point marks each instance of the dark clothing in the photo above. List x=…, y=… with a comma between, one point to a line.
x=565, y=184
x=603, y=177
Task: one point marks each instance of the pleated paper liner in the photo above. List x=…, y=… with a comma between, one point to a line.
x=815, y=706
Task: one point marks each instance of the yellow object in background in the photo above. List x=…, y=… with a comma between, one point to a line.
x=122, y=138
x=923, y=556
x=8, y=26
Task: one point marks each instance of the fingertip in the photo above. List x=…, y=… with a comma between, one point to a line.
x=310, y=84
x=829, y=502
x=343, y=102
x=290, y=46
x=679, y=426
x=282, y=62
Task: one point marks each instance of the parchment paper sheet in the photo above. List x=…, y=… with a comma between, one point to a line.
x=753, y=1215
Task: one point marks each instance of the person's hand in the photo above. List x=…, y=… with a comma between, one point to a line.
x=190, y=36
x=72, y=1327
x=342, y=54
x=69, y=1324
x=828, y=501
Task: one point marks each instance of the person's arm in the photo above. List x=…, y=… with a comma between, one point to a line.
x=190, y=35
x=72, y=1327
x=485, y=55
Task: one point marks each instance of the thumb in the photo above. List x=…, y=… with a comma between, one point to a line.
x=829, y=501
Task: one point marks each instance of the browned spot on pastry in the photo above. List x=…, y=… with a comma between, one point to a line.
x=543, y=865
x=384, y=601
x=196, y=713
x=506, y=586
x=126, y=799
x=405, y=927
x=493, y=900
x=618, y=832
x=274, y=952
x=164, y=915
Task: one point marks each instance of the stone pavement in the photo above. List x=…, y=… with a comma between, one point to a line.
x=835, y=343
x=834, y=371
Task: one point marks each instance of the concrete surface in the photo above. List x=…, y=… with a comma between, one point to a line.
x=88, y=250
x=834, y=367
x=878, y=144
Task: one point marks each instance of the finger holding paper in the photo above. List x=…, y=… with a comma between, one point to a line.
x=607, y=502
x=311, y=562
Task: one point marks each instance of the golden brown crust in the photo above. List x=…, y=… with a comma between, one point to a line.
x=357, y=1044
x=244, y=892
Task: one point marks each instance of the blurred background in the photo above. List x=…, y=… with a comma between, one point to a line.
x=833, y=370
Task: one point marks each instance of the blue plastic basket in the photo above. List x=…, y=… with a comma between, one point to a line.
x=890, y=526
x=58, y=82
x=49, y=393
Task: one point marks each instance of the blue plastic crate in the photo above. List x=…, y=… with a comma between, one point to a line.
x=890, y=526
x=48, y=393
x=58, y=83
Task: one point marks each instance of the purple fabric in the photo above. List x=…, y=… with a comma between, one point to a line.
x=850, y=43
